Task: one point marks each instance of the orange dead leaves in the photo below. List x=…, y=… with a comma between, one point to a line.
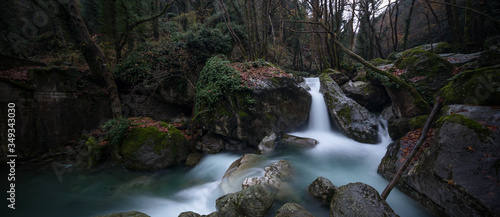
x=251, y=74
x=409, y=141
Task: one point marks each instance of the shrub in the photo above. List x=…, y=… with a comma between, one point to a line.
x=116, y=130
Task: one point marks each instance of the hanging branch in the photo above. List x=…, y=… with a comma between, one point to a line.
x=413, y=152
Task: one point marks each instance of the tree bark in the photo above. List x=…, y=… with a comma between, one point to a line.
x=95, y=58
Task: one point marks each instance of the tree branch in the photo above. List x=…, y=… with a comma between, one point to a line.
x=467, y=8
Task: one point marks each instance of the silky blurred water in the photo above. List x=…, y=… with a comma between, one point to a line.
x=172, y=191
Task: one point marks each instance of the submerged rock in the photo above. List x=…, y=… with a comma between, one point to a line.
x=293, y=210
x=275, y=180
x=291, y=141
x=148, y=149
x=254, y=201
x=359, y=199
x=322, y=189
x=238, y=170
x=352, y=119
x=458, y=174
x=268, y=143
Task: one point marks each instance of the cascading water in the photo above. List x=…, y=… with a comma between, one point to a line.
x=170, y=192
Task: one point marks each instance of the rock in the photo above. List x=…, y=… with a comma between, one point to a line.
x=210, y=144
x=322, y=189
x=401, y=126
x=126, y=214
x=177, y=90
x=141, y=182
x=276, y=104
x=339, y=77
x=254, y=201
x=274, y=180
x=238, y=171
x=370, y=96
x=477, y=87
x=380, y=62
x=290, y=141
x=388, y=113
x=189, y=214
x=193, y=159
x=359, y=199
x=96, y=152
x=489, y=58
x=268, y=143
x=305, y=86
x=352, y=119
x=458, y=174
x=424, y=70
x=293, y=210
x=149, y=149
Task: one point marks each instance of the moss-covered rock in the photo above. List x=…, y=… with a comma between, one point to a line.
x=339, y=77
x=458, y=174
x=352, y=119
x=359, y=199
x=477, y=87
x=253, y=201
x=96, y=152
x=380, y=62
x=276, y=104
x=426, y=71
x=368, y=95
x=147, y=149
x=489, y=58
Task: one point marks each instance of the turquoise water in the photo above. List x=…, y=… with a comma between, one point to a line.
x=167, y=193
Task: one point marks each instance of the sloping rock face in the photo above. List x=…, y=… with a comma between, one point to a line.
x=352, y=119
x=148, y=149
x=359, y=199
x=458, y=174
x=279, y=105
x=253, y=201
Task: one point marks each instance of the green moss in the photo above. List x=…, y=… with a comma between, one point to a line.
x=481, y=131
x=419, y=121
x=345, y=114
x=380, y=61
x=478, y=87
x=443, y=47
x=243, y=114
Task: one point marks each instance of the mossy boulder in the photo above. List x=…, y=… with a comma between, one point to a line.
x=322, y=189
x=277, y=104
x=359, y=199
x=477, y=87
x=126, y=214
x=149, y=149
x=253, y=201
x=96, y=152
x=352, y=119
x=339, y=77
x=424, y=70
x=380, y=62
x=458, y=174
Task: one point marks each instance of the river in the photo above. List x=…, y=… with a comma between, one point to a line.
x=39, y=192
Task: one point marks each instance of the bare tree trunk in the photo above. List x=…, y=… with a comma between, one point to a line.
x=413, y=152
x=407, y=27
x=95, y=58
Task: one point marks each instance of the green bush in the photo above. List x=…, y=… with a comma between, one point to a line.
x=116, y=130
x=216, y=79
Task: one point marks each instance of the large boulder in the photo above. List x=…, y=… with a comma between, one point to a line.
x=339, y=77
x=458, y=174
x=277, y=104
x=253, y=201
x=148, y=149
x=359, y=199
x=477, y=87
x=424, y=70
x=322, y=189
x=293, y=210
x=352, y=119
x=368, y=95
